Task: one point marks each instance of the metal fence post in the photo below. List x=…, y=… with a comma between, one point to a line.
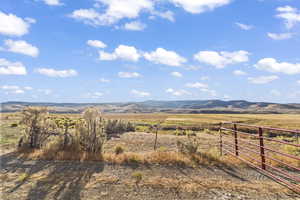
x=262, y=149
x=236, y=140
x=221, y=145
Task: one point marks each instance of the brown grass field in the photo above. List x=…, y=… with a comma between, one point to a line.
x=139, y=171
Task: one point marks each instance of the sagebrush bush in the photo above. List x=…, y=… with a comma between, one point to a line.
x=118, y=127
x=38, y=127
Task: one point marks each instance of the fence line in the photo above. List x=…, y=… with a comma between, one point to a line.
x=232, y=143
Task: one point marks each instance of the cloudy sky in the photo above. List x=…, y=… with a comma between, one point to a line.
x=135, y=50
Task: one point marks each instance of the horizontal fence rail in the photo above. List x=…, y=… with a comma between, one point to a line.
x=262, y=152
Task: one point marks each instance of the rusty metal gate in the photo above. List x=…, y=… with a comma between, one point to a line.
x=254, y=146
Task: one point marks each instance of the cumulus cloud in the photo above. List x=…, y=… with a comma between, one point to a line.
x=140, y=93
x=275, y=93
x=262, y=79
x=129, y=75
x=165, y=57
x=169, y=15
x=135, y=26
x=196, y=85
x=11, y=68
x=200, y=6
x=272, y=65
x=244, y=26
x=96, y=43
x=21, y=46
x=104, y=80
x=12, y=25
x=115, y=10
x=280, y=36
x=57, y=73
x=298, y=81
x=239, y=73
x=13, y=89
x=53, y=2
x=290, y=15
x=176, y=74
x=94, y=95
x=122, y=52
x=223, y=58
x=202, y=87
x=177, y=92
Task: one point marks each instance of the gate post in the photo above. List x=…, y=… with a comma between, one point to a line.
x=236, y=140
x=262, y=149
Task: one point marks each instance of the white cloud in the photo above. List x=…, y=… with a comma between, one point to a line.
x=196, y=85
x=94, y=95
x=140, y=93
x=53, y=2
x=30, y=20
x=129, y=75
x=169, y=15
x=223, y=58
x=57, y=73
x=239, y=73
x=244, y=26
x=22, y=47
x=275, y=93
x=280, y=36
x=298, y=81
x=200, y=6
x=12, y=25
x=177, y=92
x=135, y=26
x=262, y=79
x=202, y=87
x=290, y=15
x=45, y=91
x=11, y=68
x=162, y=56
x=123, y=52
x=103, y=80
x=271, y=65
x=114, y=12
x=96, y=43
x=192, y=68
x=176, y=74
x=13, y=89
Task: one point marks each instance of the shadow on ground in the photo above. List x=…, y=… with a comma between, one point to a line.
x=55, y=183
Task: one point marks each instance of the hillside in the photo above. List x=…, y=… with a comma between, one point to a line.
x=191, y=106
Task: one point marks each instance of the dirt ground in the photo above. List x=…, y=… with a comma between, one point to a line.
x=38, y=180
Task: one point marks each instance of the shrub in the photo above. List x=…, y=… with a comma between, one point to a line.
x=118, y=150
x=90, y=134
x=14, y=125
x=38, y=127
x=189, y=147
x=138, y=176
x=118, y=127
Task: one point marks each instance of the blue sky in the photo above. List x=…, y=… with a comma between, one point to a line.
x=136, y=50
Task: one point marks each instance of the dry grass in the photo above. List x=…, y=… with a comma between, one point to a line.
x=130, y=158
x=186, y=185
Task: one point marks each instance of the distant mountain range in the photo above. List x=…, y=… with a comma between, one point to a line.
x=189, y=106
